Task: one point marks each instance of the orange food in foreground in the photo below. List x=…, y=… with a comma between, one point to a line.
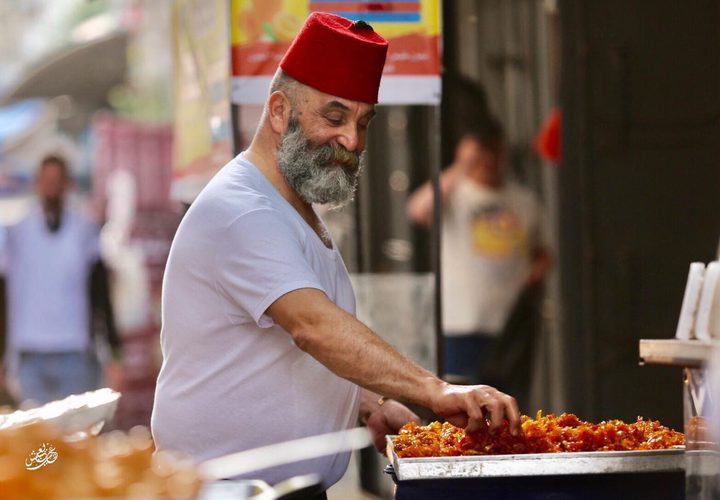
x=543, y=434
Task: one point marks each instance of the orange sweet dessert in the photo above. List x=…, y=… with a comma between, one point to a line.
x=543, y=434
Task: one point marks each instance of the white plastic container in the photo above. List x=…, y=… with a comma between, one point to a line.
x=707, y=313
x=693, y=288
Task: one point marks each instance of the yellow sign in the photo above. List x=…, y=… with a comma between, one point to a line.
x=280, y=20
x=202, y=131
x=262, y=31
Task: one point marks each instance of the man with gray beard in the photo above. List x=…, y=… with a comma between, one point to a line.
x=325, y=173
x=259, y=336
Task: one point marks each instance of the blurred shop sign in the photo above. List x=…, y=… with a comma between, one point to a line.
x=202, y=109
x=263, y=29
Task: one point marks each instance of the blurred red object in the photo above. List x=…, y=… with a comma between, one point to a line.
x=547, y=142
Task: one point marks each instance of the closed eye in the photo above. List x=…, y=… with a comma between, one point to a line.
x=335, y=122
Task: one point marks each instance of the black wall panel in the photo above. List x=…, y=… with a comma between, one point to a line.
x=640, y=190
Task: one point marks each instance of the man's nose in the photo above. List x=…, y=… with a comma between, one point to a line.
x=350, y=139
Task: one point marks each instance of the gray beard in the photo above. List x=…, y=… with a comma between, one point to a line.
x=310, y=170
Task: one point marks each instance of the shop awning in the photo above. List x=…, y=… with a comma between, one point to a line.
x=84, y=72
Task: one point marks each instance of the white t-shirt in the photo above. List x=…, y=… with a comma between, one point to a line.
x=48, y=282
x=488, y=236
x=231, y=379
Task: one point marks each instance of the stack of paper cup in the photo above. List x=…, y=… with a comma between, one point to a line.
x=700, y=312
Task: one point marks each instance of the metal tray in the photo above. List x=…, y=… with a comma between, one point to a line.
x=74, y=416
x=536, y=464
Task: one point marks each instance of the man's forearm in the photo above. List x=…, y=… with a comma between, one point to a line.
x=421, y=204
x=352, y=351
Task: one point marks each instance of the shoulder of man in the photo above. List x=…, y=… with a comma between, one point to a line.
x=83, y=214
x=267, y=220
x=16, y=227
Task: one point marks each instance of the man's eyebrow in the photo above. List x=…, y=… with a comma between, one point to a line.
x=336, y=105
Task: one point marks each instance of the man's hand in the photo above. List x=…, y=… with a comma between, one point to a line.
x=539, y=268
x=471, y=406
x=115, y=375
x=383, y=417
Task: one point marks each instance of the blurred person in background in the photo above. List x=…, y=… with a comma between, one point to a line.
x=259, y=337
x=56, y=296
x=493, y=262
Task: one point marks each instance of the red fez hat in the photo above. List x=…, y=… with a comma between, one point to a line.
x=337, y=56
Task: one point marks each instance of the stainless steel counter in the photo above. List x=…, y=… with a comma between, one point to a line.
x=683, y=353
x=702, y=458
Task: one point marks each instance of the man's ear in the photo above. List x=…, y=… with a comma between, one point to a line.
x=279, y=111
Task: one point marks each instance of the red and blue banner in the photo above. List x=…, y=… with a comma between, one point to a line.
x=389, y=11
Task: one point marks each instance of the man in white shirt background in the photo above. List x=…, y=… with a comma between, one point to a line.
x=54, y=284
x=493, y=259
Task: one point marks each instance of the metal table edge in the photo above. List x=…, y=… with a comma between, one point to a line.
x=535, y=464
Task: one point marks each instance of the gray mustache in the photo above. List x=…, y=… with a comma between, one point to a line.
x=328, y=153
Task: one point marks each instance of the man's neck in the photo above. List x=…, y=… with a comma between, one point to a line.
x=266, y=161
x=53, y=219
x=263, y=154
x=487, y=180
